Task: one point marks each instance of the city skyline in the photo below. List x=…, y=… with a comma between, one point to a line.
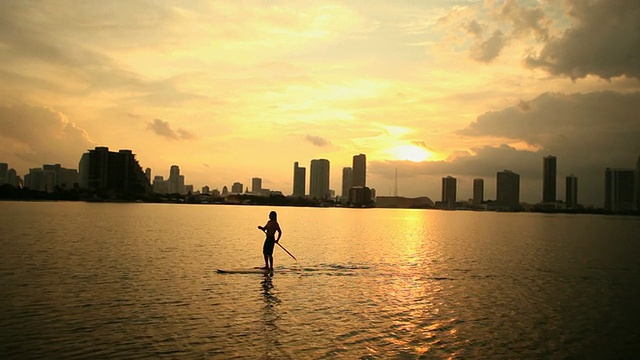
x=236, y=90
x=322, y=188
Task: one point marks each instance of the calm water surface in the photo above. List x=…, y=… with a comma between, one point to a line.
x=86, y=280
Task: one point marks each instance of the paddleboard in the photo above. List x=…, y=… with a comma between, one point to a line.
x=245, y=271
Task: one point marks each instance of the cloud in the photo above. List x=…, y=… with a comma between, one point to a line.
x=604, y=123
x=487, y=50
x=163, y=129
x=605, y=41
x=525, y=20
x=33, y=134
x=317, y=140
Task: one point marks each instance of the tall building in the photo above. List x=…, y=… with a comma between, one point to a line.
x=160, y=186
x=571, y=192
x=347, y=182
x=40, y=179
x=508, y=190
x=478, y=192
x=4, y=167
x=360, y=170
x=256, y=185
x=549, y=179
x=299, y=180
x=175, y=187
x=83, y=170
x=114, y=173
x=319, y=179
x=449, y=187
x=619, y=190
x=236, y=188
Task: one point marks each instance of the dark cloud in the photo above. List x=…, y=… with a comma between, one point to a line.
x=32, y=134
x=317, y=140
x=163, y=129
x=487, y=50
x=525, y=20
x=604, y=41
x=603, y=123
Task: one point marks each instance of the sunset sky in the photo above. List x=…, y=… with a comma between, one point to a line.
x=230, y=90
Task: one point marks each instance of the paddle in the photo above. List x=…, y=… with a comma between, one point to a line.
x=287, y=251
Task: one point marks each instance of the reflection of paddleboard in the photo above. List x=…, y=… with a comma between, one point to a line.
x=245, y=271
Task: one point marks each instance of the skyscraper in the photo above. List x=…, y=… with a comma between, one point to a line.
x=619, y=190
x=549, y=179
x=237, y=187
x=360, y=170
x=478, y=192
x=319, y=179
x=256, y=185
x=174, y=180
x=114, y=172
x=299, y=180
x=449, y=187
x=571, y=192
x=508, y=189
x=347, y=182
x=4, y=167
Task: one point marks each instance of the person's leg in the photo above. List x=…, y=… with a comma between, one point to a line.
x=271, y=261
x=266, y=261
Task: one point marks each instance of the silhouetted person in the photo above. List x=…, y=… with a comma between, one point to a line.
x=270, y=229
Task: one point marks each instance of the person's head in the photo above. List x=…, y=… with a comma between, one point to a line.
x=273, y=216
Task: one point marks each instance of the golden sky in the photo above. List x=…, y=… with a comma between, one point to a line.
x=230, y=90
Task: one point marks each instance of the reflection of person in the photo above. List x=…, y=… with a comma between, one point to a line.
x=270, y=229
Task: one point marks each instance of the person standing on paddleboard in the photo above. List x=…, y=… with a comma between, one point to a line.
x=271, y=228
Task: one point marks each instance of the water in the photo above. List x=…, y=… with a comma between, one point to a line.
x=87, y=280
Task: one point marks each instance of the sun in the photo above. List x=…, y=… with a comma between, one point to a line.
x=411, y=153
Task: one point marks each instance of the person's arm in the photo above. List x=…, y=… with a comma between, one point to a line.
x=279, y=233
x=263, y=228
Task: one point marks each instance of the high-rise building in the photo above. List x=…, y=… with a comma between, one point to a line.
x=147, y=173
x=4, y=167
x=114, y=172
x=174, y=180
x=347, y=182
x=449, y=187
x=619, y=190
x=478, y=191
x=359, y=170
x=319, y=179
x=549, y=179
x=40, y=179
x=160, y=186
x=236, y=188
x=12, y=178
x=571, y=192
x=508, y=189
x=256, y=185
x=299, y=180
x=83, y=170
